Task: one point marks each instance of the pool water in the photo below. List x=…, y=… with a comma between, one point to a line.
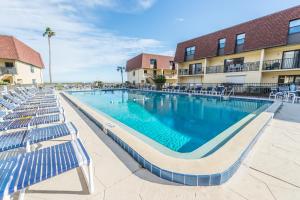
x=181, y=123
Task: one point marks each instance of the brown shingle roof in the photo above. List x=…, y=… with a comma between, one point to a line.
x=13, y=49
x=264, y=32
x=142, y=61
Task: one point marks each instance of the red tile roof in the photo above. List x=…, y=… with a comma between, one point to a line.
x=264, y=32
x=13, y=49
x=142, y=61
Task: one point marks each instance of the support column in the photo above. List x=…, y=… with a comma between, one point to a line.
x=261, y=63
x=204, y=69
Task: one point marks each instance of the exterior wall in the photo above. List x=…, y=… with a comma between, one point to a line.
x=25, y=76
x=272, y=76
x=252, y=56
x=260, y=76
x=137, y=78
x=249, y=77
x=190, y=79
x=277, y=52
x=140, y=77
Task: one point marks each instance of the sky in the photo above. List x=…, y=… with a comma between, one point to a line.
x=93, y=37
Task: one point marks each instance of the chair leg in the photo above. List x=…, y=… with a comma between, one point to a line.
x=88, y=176
x=91, y=178
x=22, y=194
x=6, y=197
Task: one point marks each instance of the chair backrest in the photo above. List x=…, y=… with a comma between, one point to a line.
x=7, y=105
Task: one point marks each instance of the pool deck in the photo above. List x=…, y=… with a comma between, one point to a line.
x=271, y=170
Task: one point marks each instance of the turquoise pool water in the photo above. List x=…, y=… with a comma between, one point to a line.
x=181, y=123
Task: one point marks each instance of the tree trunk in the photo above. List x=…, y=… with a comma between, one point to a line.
x=50, y=73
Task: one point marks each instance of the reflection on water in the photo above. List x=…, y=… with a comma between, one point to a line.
x=179, y=122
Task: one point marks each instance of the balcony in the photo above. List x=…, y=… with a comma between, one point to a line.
x=281, y=64
x=249, y=66
x=187, y=72
x=8, y=70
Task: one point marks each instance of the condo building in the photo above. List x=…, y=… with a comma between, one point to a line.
x=263, y=50
x=145, y=67
x=19, y=63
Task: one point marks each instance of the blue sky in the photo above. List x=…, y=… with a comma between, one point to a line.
x=95, y=36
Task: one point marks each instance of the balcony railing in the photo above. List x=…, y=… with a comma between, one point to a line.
x=8, y=70
x=249, y=66
x=287, y=63
x=187, y=72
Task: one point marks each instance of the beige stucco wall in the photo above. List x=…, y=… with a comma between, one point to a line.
x=141, y=77
x=272, y=77
x=25, y=76
x=277, y=52
x=190, y=79
x=249, y=77
x=252, y=56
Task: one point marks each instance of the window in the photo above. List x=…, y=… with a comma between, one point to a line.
x=195, y=68
x=289, y=79
x=32, y=69
x=240, y=39
x=221, y=46
x=239, y=43
x=222, y=43
x=291, y=59
x=145, y=71
x=294, y=26
x=189, y=53
x=133, y=73
x=198, y=68
x=33, y=81
x=152, y=61
x=9, y=64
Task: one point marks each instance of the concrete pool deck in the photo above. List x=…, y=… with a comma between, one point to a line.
x=271, y=171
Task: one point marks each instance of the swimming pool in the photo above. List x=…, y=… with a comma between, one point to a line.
x=181, y=125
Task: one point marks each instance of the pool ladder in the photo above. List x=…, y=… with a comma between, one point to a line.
x=226, y=97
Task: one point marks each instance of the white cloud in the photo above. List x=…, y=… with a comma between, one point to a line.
x=81, y=51
x=126, y=6
x=179, y=19
x=146, y=4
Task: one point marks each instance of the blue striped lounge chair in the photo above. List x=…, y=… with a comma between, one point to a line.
x=29, y=122
x=17, y=95
x=40, y=106
x=25, y=138
x=16, y=107
x=33, y=113
x=12, y=99
x=21, y=171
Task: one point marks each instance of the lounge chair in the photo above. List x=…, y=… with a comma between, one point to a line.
x=21, y=171
x=197, y=89
x=33, y=113
x=273, y=92
x=176, y=88
x=183, y=89
x=22, y=107
x=29, y=122
x=24, y=138
x=12, y=99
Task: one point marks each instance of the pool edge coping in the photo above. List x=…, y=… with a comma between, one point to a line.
x=175, y=172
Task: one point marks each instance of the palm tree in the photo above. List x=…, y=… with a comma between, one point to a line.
x=48, y=32
x=121, y=69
